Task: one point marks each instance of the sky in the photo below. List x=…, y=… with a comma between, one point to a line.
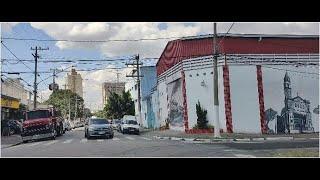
x=92, y=83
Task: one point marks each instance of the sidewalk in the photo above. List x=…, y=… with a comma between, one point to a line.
x=176, y=135
x=7, y=141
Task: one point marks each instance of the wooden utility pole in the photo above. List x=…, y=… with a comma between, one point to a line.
x=36, y=56
x=137, y=64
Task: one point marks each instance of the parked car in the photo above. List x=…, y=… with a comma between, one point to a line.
x=66, y=126
x=129, y=124
x=116, y=124
x=10, y=127
x=98, y=127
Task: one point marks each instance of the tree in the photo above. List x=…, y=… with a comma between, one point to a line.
x=119, y=105
x=100, y=114
x=60, y=100
x=202, y=122
x=270, y=116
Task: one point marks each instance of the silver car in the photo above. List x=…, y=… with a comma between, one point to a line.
x=98, y=127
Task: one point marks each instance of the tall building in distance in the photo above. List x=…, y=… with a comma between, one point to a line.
x=74, y=82
x=109, y=87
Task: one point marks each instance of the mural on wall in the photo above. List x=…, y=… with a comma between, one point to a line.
x=175, y=105
x=295, y=113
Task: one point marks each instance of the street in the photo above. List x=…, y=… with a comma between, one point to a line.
x=73, y=144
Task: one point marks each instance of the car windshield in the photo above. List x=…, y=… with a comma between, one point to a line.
x=37, y=114
x=99, y=121
x=118, y=121
x=132, y=122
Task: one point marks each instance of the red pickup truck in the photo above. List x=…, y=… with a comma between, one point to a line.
x=42, y=123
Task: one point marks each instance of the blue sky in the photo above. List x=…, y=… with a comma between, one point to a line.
x=105, y=31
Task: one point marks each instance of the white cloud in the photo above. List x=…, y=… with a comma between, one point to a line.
x=263, y=28
x=107, y=31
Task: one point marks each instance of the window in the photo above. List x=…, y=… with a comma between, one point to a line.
x=190, y=75
x=204, y=74
x=197, y=74
x=135, y=87
x=211, y=72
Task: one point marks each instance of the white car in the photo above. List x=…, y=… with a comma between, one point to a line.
x=129, y=124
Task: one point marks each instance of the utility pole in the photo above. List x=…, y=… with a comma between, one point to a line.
x=215, y=83
x=36, y=56
x=137, y=63
x=117, y=80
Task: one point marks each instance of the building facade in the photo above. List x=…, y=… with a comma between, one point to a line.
x=110, y=87
x=250, y=81
x=13, y=94
x=74, y=82
x=147, y=90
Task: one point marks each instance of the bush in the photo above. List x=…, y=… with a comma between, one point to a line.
x=202, y=122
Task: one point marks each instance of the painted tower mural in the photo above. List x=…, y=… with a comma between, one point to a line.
x=294, y=110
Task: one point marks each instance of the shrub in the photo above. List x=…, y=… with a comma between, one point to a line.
x=202, y=122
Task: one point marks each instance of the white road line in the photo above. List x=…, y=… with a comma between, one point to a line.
x=131, y=138
x=243, y=142
x=67, y=141
x=148, y=139
x=314, y=138
x=34, y=144
x=100, y=140
x=115, y=139
x=244, y=155
x=51, y=142
x=84, y=140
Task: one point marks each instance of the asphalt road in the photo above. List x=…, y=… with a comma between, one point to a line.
x=73, y=144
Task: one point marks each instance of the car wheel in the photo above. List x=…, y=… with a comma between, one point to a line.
x=54, y=134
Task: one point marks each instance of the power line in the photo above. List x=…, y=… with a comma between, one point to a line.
x=93, y=41
x=225, y=35
x=15, y=55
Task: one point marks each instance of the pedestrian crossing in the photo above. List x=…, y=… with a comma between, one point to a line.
x=85, y=140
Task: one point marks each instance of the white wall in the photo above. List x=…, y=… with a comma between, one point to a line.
x=244, y=99
x=144, y=113
x=162, y=89
x=204, y=94
x=155, y=106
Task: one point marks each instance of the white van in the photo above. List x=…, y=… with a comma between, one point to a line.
x=129, y=124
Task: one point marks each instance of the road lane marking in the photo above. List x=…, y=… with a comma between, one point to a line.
x=34, y=144
x=67, y=141
x=148, y=139
x=130, y=138
x=84, y=140
x=51, y=142
x=115, y=139
x=314, y=138
x=244, y=155
x=100, y=140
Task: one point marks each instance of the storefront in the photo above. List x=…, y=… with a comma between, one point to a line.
x=9, y=107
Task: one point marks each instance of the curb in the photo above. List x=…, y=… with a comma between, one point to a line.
x=229, y=139
x=10, y=145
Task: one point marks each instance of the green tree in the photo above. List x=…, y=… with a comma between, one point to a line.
x=60, y=100
x=119, y=105
x=202, y=122
x=100, y=114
